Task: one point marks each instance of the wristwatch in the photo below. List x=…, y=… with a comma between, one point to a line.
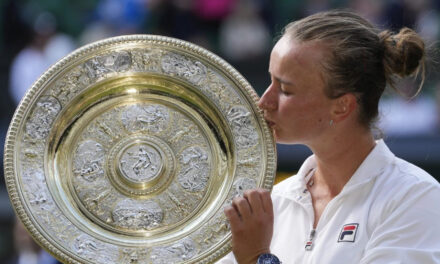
x=268, y=259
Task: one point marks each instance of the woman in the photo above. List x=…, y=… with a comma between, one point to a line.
x=352, y=201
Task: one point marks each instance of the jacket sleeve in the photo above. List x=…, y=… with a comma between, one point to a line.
x=408, y=230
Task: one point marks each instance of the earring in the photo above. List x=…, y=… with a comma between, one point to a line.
x=331, y=122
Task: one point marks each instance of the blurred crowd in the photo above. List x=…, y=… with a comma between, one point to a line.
x=36, y=33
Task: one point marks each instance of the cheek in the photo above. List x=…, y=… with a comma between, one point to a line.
x=296, y=107
x=309, y=112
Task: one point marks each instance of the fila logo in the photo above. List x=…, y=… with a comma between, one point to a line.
x=348, y=233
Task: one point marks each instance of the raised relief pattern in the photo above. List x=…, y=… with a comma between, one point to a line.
x=153, y=118
x=140, y=163
x=241, y=185
x=245, y=133
x=136, y=215
x=175, y=64
x=99, y=66
x=45, y=112
x=194, y=174
x=182, y=250
x=88, y=160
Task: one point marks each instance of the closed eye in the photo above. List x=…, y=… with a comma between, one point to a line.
x=286, y=93
x=284, y=90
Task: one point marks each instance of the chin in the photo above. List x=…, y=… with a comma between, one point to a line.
x=286, y=140
x=282, y=140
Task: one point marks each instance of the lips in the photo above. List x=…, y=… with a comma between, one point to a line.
x=269, y=122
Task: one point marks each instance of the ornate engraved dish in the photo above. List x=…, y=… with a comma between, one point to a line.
x=128, y=149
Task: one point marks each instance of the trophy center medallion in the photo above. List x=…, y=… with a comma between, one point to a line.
x=140, y=163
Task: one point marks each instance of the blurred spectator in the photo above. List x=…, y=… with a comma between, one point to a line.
x=243, y=33
x=58, y=46
x=96, y=31
x=428, y=21
x=45, y=48
x=401, y=116
x=30, y=63
x=213, y=10
x=124, y=16
x=241, y=30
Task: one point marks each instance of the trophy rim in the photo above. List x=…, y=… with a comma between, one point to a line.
x=32, y=94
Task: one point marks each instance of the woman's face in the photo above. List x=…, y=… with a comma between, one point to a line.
x=294, y=104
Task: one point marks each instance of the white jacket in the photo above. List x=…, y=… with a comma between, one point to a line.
x=388, y=212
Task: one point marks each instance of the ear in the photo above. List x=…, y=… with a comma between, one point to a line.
x=344, y=106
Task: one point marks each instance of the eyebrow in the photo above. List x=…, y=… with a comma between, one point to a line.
x=280, y=80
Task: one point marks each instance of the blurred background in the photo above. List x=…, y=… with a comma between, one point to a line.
x=34, y=34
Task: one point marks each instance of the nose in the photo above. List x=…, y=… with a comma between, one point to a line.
x=268, y=100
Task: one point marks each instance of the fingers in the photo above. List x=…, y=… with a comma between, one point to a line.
x=233, y=217
x=251, y=223
x=242, y=206
x=254, y=199
x=259, y=200
x=266, y=201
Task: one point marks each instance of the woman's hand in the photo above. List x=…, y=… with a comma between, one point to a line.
x=251, y=219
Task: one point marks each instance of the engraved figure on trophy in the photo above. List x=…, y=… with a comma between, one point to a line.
x=186, y=130
x=146, y=60
x=95, y=69
x=180, y=206
x=195, y=170
x=180, y=251
x=95, y=200
x=114, y=62
x=153, y=118
x=140, y=163
x=105, y=129
x=176, y=64
x=133, y=256
x=151, y=115
x=86, y=247
x=137, y=215
x=88, y=160
x=46, y=110
x=144, y=161
x=93, y=250
x=69, y=86
x=118, y=61
x=216, y=231
x=35, y=191
x=240, y=120
x=241, y=185
x=78, y=78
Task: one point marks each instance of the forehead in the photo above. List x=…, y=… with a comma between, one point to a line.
x=291, y=58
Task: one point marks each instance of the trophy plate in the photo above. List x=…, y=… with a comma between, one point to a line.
x=128, y=150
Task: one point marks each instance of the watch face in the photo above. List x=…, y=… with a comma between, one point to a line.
x=268, y=259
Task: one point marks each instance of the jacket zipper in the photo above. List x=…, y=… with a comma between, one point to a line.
x=309, y=243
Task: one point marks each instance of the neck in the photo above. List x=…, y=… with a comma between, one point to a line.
x=339, y=157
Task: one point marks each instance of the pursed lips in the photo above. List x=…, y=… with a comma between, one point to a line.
x=269, y=122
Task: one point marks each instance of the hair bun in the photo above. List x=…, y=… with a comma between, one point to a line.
x=404, y=52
